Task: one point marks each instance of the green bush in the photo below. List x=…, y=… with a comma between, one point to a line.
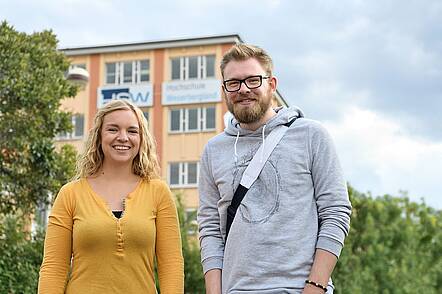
x=20, y=258
x=394, y=246
x=193, y=279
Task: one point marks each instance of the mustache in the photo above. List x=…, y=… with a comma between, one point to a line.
x=242, y=97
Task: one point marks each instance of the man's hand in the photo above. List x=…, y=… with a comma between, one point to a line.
x=213, y=281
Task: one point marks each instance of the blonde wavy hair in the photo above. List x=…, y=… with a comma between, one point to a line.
x=145, y=163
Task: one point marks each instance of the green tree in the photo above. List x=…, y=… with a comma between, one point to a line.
x=32, y=85
x=193, y=279
x=21, y=256
x=394, y=246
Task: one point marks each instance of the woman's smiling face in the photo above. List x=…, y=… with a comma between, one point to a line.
x=120, y=136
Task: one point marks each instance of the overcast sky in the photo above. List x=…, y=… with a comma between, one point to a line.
x=370, y=71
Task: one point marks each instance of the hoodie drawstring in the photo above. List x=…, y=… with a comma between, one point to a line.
x=263, y=144
x=236, y=141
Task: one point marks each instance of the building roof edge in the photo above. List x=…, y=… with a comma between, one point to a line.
x=149, y=45
x=281, y=99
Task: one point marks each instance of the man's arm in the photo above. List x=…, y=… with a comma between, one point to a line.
x=333, y=206
x=321, y=271
x=331, y=196
x=213, y=281
x=211, y=241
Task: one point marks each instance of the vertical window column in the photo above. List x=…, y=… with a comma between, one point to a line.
x=127, y=72
x=192, y=119
x=192, y=67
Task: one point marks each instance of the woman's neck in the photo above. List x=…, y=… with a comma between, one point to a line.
x=117, y=173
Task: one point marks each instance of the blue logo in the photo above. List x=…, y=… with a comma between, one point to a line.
x=111, y=94
x=140, y=98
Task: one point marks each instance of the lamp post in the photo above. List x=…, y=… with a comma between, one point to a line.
x=78, y=76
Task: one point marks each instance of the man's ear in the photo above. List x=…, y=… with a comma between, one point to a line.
x=273, y=83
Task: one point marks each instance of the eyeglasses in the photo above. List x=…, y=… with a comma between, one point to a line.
x=251, y=82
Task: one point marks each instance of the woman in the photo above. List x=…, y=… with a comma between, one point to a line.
x=107, y=226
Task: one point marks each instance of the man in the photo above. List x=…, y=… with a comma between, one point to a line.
x=290, y=227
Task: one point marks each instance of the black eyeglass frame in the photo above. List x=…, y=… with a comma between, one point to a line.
x=243, y=81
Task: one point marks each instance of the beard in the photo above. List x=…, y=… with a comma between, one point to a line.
x=247, y=115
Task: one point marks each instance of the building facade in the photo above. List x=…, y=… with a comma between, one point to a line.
x=176, y=83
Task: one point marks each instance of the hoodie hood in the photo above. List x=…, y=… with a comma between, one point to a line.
x=283, y=116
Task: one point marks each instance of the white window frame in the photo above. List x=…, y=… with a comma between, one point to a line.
x=184, y=120
x=119, y=72
x=184, y=67
x=72, y=135
x=133, y=71
x=183, y=180
x=203, y=120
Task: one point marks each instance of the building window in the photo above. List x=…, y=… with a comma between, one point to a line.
x=192, y=119
x=111, y=73
x=183, y=174
x=127, y=72
x=193, y=67
x=77, y=129
x=144, y=70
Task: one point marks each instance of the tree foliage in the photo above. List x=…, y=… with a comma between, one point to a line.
x=32, y=85
x=394, y=246
x=21, y=256
x=193, y=279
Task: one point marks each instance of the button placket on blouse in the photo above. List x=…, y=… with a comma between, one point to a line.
x=120, y=239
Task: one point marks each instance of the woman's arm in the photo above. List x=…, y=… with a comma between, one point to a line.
x=58, y=247
x=168, y=246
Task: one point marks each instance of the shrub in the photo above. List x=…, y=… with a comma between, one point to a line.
x=22, y=253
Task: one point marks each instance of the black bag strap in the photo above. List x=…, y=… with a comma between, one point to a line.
x=241, y=190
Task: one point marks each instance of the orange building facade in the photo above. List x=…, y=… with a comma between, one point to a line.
x=176, y=83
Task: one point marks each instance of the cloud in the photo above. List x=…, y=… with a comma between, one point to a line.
x=338, y=60
x=388, y=51
x=377, y=155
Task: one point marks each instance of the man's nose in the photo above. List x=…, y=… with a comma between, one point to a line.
x=243, y=88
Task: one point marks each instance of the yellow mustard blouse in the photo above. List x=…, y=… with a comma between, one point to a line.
x=89, y=250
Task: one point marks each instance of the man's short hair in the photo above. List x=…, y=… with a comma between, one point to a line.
x=240, y=52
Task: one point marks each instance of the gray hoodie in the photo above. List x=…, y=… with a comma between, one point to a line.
x=298, y=203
